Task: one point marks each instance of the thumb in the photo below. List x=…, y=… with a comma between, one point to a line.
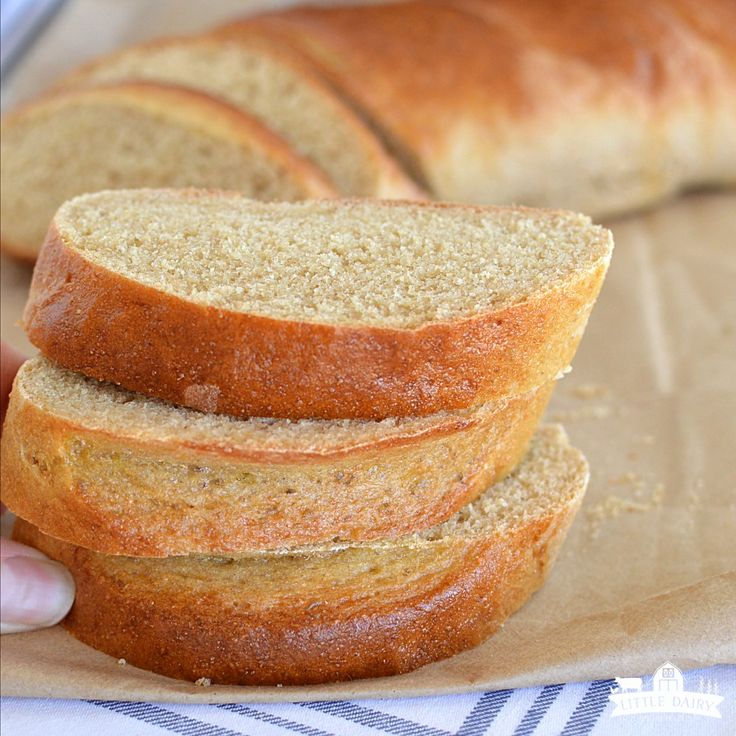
x=34, y=591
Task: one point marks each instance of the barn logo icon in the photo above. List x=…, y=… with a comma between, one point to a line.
x=668, y=695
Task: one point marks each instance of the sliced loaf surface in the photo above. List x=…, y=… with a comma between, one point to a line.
x=118, y=473
x=133, y=135
x=322, y=309
x=275, y=84
x=364, y=611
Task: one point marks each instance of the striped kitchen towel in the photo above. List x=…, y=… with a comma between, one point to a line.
x=572, y=710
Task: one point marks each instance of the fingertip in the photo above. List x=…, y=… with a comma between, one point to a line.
x=36, y=593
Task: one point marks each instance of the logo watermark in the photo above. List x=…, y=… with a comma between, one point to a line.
x=668, y=695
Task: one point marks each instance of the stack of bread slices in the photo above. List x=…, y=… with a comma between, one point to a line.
x=283, y=443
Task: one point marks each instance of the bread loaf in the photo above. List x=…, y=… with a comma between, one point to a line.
x=276, y=85
x=345, y=309
x=364, y=611
x=137, y=134
x=115, y=472
x=597, y=106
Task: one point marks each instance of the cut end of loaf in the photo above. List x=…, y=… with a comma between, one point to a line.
x=383, y=264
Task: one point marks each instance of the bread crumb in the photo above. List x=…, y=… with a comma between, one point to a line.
x=203, y=397
x=612, y=506
x=122, y=662
x=203, y=682
x=590, y=391
x=388, y=265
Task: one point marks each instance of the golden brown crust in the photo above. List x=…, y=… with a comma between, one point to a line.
x=599, y=107
x=132, y=496
x=468, y=589
x=92, y=320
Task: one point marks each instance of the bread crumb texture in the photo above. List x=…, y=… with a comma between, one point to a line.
x=137, y=136
x=144, y=477
x=551, y=479
x=372, y=263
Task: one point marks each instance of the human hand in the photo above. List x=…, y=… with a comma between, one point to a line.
x=34, y=590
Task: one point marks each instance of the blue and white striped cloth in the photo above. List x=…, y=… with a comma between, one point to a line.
x=571, y=710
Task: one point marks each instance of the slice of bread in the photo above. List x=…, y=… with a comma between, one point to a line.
x=322, y=309
x=115, y=472
x=130, y=135
x=276, y=85
x=363, y=611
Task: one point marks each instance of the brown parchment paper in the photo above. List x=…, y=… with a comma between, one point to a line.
x=648, y=572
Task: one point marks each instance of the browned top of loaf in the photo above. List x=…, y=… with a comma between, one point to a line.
x=368, y=47
x=500, y=64
x=330, y=309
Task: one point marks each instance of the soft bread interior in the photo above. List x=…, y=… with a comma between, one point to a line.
x=552, y=477
x=386, y=264
x=316, y=616
x=135, y=136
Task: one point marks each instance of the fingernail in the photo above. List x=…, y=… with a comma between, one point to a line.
x=34, y=593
